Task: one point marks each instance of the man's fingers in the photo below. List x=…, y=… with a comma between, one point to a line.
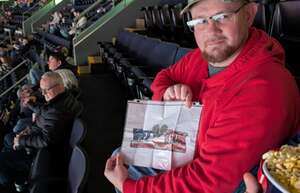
x=183, y=93
x=108, y=165
x=252, y=185
x=111, y=163
x=119, y=160
x=188, y=101
x=169, y=94
x=177, y=90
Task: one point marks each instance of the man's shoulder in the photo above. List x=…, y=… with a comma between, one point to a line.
x=192, y=58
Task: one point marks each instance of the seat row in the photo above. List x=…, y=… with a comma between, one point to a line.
x=136, y=59
x=279, y=18
x=166, y=22
x=286, y=29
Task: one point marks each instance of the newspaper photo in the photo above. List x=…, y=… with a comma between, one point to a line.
x=160, y=135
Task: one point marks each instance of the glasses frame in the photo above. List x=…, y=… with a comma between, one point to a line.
x=46, y=90
x=215, y=18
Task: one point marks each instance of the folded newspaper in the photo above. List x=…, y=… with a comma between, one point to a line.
x=160, y=135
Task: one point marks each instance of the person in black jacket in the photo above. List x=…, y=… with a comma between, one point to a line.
x=51, y=129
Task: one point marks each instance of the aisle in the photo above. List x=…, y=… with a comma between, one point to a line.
x=105, y=105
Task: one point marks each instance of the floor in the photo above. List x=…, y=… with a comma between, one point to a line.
x=105, y=105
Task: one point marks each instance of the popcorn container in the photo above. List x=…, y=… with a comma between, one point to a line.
x=269, y=183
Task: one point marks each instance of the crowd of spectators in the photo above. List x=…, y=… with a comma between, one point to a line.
x=39, y=113
x=64, y=24
x=42, y=117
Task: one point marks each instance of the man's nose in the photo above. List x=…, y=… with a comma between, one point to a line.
x=212, y=26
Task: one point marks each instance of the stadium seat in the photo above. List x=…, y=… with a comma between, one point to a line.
x=78, y=132
x=77, y=176
x=264, y=15
x=181, y=52
x=285, y=28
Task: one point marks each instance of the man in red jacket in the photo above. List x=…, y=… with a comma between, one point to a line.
x=251, y=102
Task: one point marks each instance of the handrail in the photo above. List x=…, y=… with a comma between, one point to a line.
x=13, y=86
x=44, y=10
x=88, y=9
x=103, y=19
x=29, y=10
x=13, y=69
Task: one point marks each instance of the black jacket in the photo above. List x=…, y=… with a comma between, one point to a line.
x=53, y=123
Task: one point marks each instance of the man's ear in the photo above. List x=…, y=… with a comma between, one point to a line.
x=251, y=11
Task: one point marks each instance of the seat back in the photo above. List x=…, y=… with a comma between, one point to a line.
x=166, y=15
x=162, y=56
x=176, y=16
x=78, y=132
x=78, y=169
x=181, y=52
x=172, y=2
x=146, y=48
x=157, y=20
x=147, y=12
x=264, y=15
x=286, y=29
x=135, y=44
x=123, y=39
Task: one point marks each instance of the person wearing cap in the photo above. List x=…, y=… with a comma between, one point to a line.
x=250, y=102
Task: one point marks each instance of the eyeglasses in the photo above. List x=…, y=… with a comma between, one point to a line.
x=220, y=18
x=44, y=91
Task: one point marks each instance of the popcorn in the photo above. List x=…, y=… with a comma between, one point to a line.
x=284, y=166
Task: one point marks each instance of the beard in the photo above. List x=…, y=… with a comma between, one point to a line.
x=219, y=54
x=222, y=52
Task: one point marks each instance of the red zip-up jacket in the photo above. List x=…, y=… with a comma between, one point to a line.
x=249, y=108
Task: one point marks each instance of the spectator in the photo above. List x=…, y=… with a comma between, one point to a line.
x=78, y=24
x=251, y=102
x=25, y=113
x=5, y=67
x=51, y=130
x=56, y=19
x=42, y=3
x=55, y=61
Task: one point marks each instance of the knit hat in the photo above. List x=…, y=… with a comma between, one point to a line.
x=193, y=2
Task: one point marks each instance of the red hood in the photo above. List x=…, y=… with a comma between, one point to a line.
x=260, y=49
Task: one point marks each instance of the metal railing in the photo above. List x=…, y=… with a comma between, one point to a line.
x=27, y=61
x=13, y=86
x=102, y=20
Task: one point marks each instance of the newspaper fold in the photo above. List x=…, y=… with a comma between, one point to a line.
x=160, y=135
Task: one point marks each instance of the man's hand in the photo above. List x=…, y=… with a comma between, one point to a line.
x=29, y=99
x=26, y=131
x=16, y=142
x=179, y=92
x=116, y=172
x=251, y=182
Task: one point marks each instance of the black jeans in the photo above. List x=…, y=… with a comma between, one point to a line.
x=8, y=142
x=14, y=166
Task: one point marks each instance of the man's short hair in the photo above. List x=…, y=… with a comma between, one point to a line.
x=54, y=77
x=57, y=56
x=68, y=77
